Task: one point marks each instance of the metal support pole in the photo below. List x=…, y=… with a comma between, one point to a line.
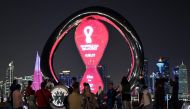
x=167, y=100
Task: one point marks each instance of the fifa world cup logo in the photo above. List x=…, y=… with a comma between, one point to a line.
x=88, y=33
x=91, y=37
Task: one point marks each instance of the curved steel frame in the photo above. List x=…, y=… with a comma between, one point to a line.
x=102, y=14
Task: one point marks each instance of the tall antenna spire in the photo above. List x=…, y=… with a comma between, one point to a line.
x=37, y=77
x=182, y=63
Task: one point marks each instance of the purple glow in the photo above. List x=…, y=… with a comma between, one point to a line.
x=37, y=78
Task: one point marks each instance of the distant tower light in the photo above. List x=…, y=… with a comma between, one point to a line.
x=37, y=78
x=160, y=66
x=66, y=72
x=11, y=64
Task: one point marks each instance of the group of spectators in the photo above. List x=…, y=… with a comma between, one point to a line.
x=115, y=98
x=161, y=92
x=119, y=97
x=28, y=97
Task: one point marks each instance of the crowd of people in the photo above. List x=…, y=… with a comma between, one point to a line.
x=115, y=98
x=161, y=92
x=119, y=97
x=28, y=97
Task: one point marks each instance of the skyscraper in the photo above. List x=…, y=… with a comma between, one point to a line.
x=9, y=77
x=104, y=75
x=145, y=71
x=163, y=72
x=183, y=80
x=160, y=65
x=65, y=78
x=163, y=66
x=175, y=71
x=101, y=71
x=37, y=78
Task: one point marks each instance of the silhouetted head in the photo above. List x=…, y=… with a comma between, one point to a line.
x=18, y=87
x=75, y=86
x=32, y=92
x=43, y=85
x=15, y=81
x=110, y=85
x=30, y=83
x=124, y=80
x=74, y=79
x=86, y=87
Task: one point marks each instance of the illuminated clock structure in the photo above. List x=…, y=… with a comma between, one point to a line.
x=59, y=93
x=91, y=37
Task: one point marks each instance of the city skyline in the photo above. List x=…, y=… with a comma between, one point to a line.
x=25, y=27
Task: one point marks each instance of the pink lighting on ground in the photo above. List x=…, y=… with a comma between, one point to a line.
x=91, y=38
x=37, y=78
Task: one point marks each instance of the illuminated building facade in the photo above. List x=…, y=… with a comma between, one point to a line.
x=37, y=78
x=183, y=80
x=163, y=67
x=9, y=78
x=105, y=77
x=145, y=71
x=65, y=79
x=1, y=88
x=23, y=81
x=175, y=71
x=162, y=71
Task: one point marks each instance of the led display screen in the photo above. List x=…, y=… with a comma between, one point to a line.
x=91, y=37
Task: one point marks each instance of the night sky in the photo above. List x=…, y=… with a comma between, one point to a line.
x=163, y=27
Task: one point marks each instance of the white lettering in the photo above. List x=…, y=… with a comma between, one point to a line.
x=89, y=47
x=89, y=77
x=89, y=80
x=88, y=30
x=91, y=85
x=90, y=55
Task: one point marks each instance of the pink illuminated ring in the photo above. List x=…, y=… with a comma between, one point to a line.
x=101, y=14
